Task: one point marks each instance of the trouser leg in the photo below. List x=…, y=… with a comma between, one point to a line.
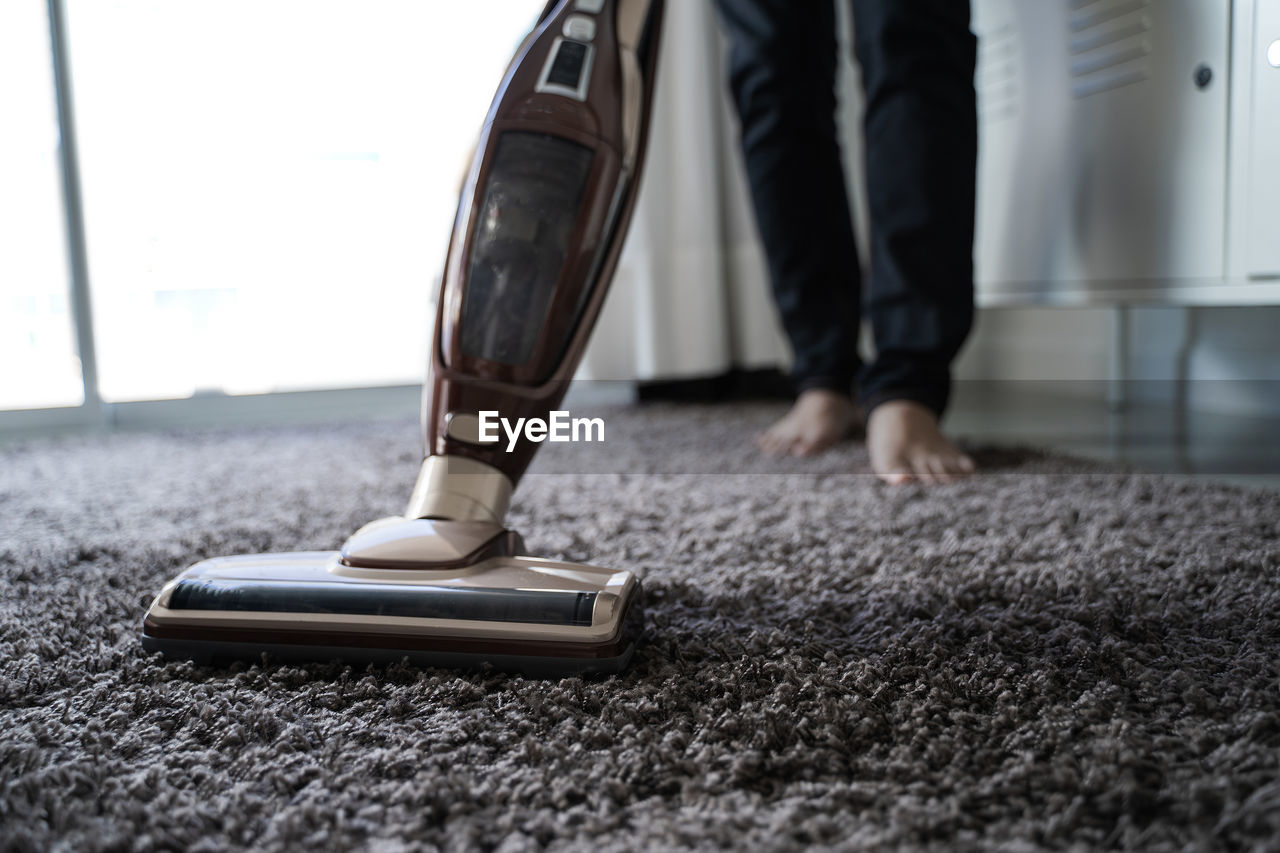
x=782, y=69
x=918, y=59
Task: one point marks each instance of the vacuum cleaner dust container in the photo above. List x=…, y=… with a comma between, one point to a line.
x=540, y=225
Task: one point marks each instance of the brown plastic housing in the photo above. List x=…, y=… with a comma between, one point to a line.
x=461, y=383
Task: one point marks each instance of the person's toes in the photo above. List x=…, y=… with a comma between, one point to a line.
x=896, y=475
x=775, y=444
x=808, y=445
x=804, y=445
x=942, y=472
x=769, y=442
x=924, y=471
x=956, y=466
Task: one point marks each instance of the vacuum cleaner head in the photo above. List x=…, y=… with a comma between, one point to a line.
x=539, y=617
x=540, y=224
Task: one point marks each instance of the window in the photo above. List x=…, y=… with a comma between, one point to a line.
x=269, y=185
x=38, y=362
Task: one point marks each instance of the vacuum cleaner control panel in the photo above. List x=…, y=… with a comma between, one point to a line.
x=568, y=69
x=580, y=28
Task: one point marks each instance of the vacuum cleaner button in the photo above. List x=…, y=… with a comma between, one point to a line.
x=464, y=426
x=592, y=6
x=566, y=70
x=579, y=27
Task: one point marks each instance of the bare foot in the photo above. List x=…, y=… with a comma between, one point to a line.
x=906, y=444
x=818, y=419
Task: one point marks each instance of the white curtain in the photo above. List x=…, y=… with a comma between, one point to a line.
x=691, y=294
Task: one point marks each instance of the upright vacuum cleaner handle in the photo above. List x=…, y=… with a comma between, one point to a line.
x=540, y=225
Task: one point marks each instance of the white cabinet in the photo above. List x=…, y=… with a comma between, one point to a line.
x=1262, y=216
x=1113, y=164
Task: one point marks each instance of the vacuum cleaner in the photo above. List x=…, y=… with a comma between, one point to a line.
x=538, y=231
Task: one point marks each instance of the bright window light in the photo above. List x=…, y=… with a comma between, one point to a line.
x=269, y=185
x=38, y=363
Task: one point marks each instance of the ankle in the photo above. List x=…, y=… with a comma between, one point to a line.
x=903, y=408
x=826, y=396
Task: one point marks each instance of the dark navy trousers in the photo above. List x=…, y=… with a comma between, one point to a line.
x=917, y=59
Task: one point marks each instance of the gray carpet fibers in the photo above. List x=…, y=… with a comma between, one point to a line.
x=1050, y=655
